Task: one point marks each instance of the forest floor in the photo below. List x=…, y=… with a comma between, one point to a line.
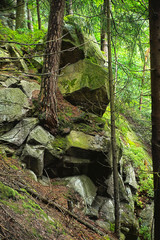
x=25, y=216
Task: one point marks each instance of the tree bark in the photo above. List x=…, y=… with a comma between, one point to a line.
x=21, y=14
x=69, y=10
x=104, y=44
x=113, y=133
x=38, y=15
x=48, y=99
x=154, y=19
x=143, y=78
x=30, y=20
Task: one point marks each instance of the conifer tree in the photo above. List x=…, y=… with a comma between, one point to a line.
x=48, y=99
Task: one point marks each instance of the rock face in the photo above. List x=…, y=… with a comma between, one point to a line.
x=82, y=154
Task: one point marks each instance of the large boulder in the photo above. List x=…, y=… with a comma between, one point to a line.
x=14, y=104
x=85, y=187
x=84, y=78
x=79, y=140
x=84, y=83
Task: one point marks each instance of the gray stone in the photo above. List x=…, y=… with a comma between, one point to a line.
x=130, y=177
x=129, y=223
x=33, y=157
x=31, y=174
x=75, y=161
x=122, y=190
x=103, y=224
x=13, y=104
x=39, y=136
x=129, y=220
x=4, y=57
x=147, y=216
x=15, y=52
x=107, y=210
x=85, y=187
x=44, y=181
x=28, y=87
x=10, y=82
x=19, y=133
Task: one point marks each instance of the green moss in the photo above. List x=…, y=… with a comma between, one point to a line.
x=58, y=145
x=7, y=192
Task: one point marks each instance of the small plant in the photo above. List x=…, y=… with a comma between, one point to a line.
x=144, y=232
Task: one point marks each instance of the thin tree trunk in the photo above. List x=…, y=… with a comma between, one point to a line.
x=104, y=44
x=30, y=20
x=113, y=133
x=154, y=19
x=21, y=14
x=38, y=15
x=48, y=99
x=69, y=10
x=143, y=78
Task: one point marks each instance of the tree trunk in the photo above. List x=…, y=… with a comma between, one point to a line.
x=38, y=15
x=51, y=65
x=113, y=133
x=154, y=19
x=21, y=14
x=104, y=44
x=143, y=78
x=69, y=10
x=30, y=20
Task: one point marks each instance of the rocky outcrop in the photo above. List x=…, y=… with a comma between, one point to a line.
x=82, y=153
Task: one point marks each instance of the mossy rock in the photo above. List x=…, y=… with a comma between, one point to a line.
x=86, y=84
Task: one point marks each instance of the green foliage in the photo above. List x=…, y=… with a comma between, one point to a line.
x=144, y=233
x=112, y=227
x=25, y=36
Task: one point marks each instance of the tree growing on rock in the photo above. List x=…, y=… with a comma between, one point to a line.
x=48, y=99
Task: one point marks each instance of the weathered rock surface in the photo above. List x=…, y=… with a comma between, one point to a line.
x=14, y=104
x=14, y=52
x=122, y=190
x=33, y=156
x=3, y=57
x=28, y=87
x=19, y=133
x=85, y=187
